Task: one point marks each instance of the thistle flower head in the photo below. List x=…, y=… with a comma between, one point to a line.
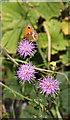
x=48, y=85
x=25, y=48
x=26, y=72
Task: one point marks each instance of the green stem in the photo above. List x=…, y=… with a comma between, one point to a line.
x=17, y=60
x=13, y=110
x=44, y=59
x=35, y=88
x=14, y=92
x=58, y=113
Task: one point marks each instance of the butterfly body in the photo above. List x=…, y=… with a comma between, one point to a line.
x=30, y=33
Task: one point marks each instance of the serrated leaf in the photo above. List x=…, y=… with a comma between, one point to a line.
x=14, y=19
x=45, y=9
x=10, y=14
x=57, y=39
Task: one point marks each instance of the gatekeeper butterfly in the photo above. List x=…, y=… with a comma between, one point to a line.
x=30, y=33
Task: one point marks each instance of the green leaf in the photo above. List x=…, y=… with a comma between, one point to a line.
x=29, y=90
x=12, y=22
x=12, y=13
x=42, y=40
x=63, y=81
x=29, y=112
x=10, y=40
x=65, y=58
x=42, y=44
x=13, y=84
x=57, y=39
x=64, y=93
x=53, y=51
x=13, y=19
x=65, y=98
x=44, y=9
x=65, y=26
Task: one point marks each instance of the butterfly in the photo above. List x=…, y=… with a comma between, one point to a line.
x=30, y=33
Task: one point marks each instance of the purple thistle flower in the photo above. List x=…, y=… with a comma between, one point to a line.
x=48, y=85
x=25, y=48
x=26, y=72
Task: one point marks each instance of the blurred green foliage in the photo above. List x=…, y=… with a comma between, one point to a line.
x=15, y=17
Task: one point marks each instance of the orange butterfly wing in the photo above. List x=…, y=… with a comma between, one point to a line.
x=30, y=33
x=28, y=29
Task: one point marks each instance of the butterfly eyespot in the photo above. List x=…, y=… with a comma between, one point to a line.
x=28, y=27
